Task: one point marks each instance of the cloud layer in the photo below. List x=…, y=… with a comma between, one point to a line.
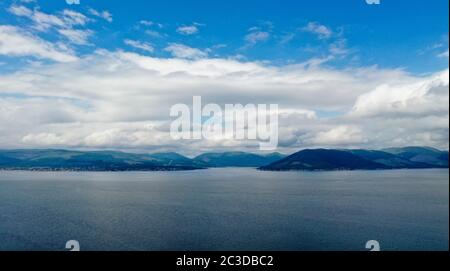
x=122, y=100
x=15, y=42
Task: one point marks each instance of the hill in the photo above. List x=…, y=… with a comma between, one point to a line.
x=394, y=158
x=237, y=159
x=322, y=159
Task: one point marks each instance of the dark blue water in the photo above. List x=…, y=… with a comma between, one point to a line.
x=225, y=209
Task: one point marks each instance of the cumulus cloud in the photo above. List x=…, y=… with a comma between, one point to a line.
x=339, y=136
x=443, y=54
x=20, y=11
x=106, y=15
x=74, y=18
x=339, y=48
x=256, y=36
x=424, y=96
x=183, y=51
x=43, y=21
x=321, y=31
x=146, y=22
x=80, y=37
x=63, y=22
x=149, y=24
x=17, y=42
x=140, y=45
x=122, y=100
x=187, y=29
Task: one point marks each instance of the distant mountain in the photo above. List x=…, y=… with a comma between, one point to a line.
x=425, y=155
x=322, y=159
x=387, y=159
x=318, y=159
x=121, y=161
x=173, y=158
x=86, y=161
x=275, y=156
x=237, y=159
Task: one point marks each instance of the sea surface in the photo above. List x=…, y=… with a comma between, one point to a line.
x=225, y=209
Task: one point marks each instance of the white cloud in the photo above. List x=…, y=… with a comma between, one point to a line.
x=321, y=31
x=146, y=23
x=43, y=21
x=339, y=136
x=421, y=96
x=150, y=23
x=443, y=54
x=80, y=37
x=256, y=36
x=339, y=47
x=106, y=15
x=20, y=11
x=140, y=45
x=122, y=100
x=16, y=42
x=63, y=22
x=183, y=51
x=74, y=18
x=187, y=29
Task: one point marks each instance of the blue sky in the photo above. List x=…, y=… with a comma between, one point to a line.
x=395, y=34
x=104, y=74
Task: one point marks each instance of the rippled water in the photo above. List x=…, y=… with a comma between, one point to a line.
x=225, y=209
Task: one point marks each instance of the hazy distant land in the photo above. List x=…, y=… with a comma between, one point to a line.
x=312, y=159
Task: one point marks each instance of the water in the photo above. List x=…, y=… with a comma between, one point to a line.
x=225, y=209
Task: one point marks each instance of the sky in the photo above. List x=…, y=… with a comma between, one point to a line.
x=103, y=74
